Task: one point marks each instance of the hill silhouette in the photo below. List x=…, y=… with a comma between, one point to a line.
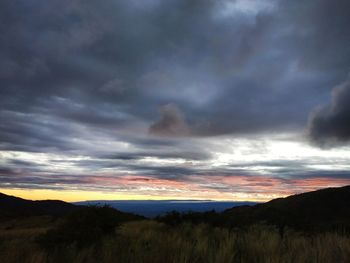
x=11, y=206
x=325, y=209
x=322, y=209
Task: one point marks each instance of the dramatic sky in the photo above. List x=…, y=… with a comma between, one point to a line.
x=173, y=99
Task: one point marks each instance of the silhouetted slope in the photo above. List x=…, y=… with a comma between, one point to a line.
x=322, y=209
x=11, y=206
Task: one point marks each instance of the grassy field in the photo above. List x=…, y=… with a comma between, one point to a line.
x=151, y=241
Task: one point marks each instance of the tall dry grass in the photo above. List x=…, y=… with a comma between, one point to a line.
x=153, y=242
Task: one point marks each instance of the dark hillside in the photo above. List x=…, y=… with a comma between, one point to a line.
x=323, y=209
x=11, y=206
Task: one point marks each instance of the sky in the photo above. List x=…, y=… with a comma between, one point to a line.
x=173, y=99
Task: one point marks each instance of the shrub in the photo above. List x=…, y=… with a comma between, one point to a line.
x=83, y=227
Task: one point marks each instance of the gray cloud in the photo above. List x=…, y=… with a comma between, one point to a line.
x=115, y=63
x=173, y=154
x=171, y=122
x=331, y=123
x=95, y=79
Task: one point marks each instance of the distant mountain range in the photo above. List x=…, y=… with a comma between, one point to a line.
x=323, y=209
x=153, y=208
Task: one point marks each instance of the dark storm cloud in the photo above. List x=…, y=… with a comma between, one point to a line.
x=171, y=122
x=116, y=63
x=320, y=33
x=331, y=123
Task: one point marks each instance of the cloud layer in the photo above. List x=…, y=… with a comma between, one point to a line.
x=153, y=88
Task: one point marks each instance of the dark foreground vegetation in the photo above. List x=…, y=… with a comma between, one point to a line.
x=263, y=233
x=151, y=241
